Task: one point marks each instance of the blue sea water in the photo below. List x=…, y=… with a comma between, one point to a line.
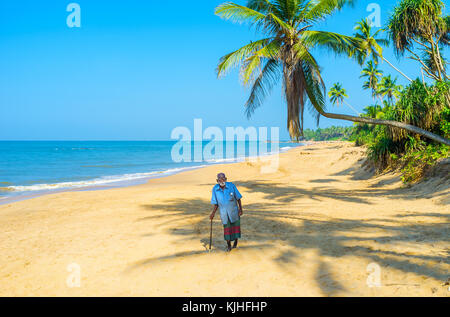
x=36, y=167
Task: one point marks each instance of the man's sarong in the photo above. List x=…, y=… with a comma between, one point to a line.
x=232, y=230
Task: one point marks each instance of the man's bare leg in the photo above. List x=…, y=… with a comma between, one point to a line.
x=228, y=245
x=235, y=243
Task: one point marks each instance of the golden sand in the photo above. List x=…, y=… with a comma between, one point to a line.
x=321, y=225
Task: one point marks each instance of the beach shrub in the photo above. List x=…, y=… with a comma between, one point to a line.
x=363, y=134
x=422, y=105
x=418, y=161
x=445, y=121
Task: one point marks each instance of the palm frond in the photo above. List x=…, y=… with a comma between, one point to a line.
x=234, y=59
x=262, y=86
x=445, y=38
x=338, y=43
x=337, y=94
x=302, y=53
x=370, y=43
x=252, y=64
x=412, y=19
x=262, y=6
x=318, y=10
x=249, y=68
x=238, y=14
x=286, y=10
x=242, y=14
x=315, y=89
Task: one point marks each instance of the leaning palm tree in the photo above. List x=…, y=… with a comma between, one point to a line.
x=371, y=44
x=285, y=53
x=337, y=96
x=372, y=73
x=389, y=89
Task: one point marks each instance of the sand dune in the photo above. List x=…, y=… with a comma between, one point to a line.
x=320, y=226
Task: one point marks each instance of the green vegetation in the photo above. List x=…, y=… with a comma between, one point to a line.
x=423, y=105
x=330, y=134
x=420, y=23
x=407, y=127
x=419, y=104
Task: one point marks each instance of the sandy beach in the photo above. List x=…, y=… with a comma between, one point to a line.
x=319, y=226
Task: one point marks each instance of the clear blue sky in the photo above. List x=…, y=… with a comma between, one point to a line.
x=137, y=69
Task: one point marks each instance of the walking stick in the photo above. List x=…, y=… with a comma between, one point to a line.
x=210, y=237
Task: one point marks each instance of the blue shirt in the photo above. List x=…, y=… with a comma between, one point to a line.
x=226, y=199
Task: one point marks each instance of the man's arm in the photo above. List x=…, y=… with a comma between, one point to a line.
x=240, y=207
x=213, y=212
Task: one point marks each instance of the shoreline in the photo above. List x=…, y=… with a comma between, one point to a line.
x=31, y=194
x=315, y=227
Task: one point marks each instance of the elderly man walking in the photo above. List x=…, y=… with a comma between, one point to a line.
x=227, y=198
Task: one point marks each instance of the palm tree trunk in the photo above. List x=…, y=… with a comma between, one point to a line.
x=384, y=59
x=390, y=123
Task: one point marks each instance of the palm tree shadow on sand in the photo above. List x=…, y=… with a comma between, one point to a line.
x=266, y=224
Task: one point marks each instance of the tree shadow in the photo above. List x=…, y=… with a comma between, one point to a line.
x=389, y=181
x=288, y=193
x=325, y=180
x=266, y=223
x=184, y=254
x=285, y=194
x=326, y=281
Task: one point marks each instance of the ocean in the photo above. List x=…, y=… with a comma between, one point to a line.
x=33, y=168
